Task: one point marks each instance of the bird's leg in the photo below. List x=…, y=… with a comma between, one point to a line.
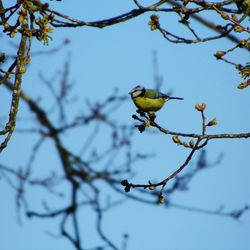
x=150, y=117
x=141, y=113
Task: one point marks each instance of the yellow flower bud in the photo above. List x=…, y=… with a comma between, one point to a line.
x=20, y=19
x=238, y=29
x=244, y=84
x=212, y=122
x=154, y=23
x=219, y=54
x=224, y=16
x=23, y=12
x=200, y=107
x=184, y=10
x=147, y=123
x=151, y=187
x=6, y=26
x=234, y=18
x=161, y=199
x=176, y=139
x=22, y=69
x=244, y=43
x=191, y=143
x=26, y=60
x=245, y=72
x=12, y=34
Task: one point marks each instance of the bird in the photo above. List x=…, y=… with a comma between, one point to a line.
x=149, y=100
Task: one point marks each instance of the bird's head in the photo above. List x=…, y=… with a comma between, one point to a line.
x=137, y=91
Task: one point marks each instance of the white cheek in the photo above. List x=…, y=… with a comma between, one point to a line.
x=136, y=93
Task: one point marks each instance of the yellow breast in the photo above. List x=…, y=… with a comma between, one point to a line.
x=147, y=104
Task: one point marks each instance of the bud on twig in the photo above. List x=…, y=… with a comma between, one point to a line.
x=244, y=84
x=154, y=23
x=191, y=144
x=200, y=107
x=238, y=29
x=212, y=122
x=219, y=54
x=151, y=187
x=176, y=139
x=161, y=199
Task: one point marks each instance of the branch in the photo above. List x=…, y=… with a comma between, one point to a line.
x=201, y=136
x=234, y=214
x=208, y=23
x=73, y=22
x=10, y=125
x=164, y=182
x=150, y=121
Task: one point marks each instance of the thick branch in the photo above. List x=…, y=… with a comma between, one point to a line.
x=10, y=126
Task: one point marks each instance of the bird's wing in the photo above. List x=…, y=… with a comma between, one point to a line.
x=154, y=94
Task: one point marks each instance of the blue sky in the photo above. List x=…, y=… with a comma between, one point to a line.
x=120, y=56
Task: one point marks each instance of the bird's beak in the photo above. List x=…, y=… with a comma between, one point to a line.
x=130, y=93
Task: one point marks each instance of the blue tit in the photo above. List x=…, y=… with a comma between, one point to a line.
x=149, y=100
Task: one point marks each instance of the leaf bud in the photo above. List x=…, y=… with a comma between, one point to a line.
x=238, y=29
x=224, y=16
x=191, y=144
x=243, y=85
x=176, y=139
x=152, y=187
x=161, y=199
x=212, y=122
x=200, y=107
x=219, y=54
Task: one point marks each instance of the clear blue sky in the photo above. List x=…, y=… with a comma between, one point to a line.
x=120, y=56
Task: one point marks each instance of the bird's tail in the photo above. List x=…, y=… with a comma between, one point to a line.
x=177, y=98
